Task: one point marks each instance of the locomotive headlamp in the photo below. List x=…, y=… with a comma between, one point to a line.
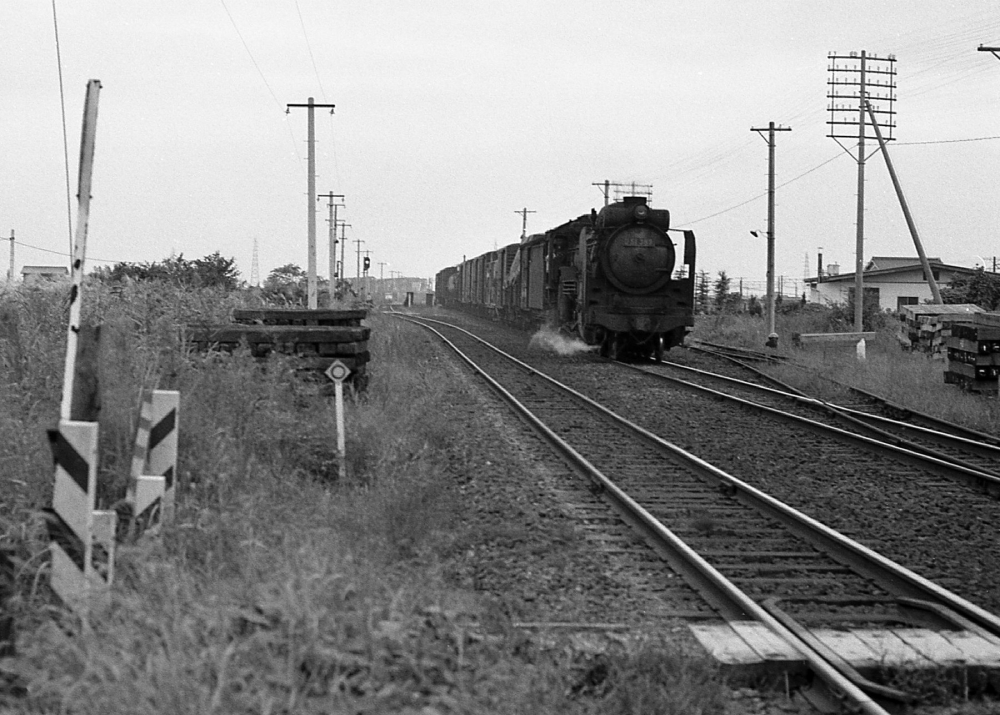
x=641, y=212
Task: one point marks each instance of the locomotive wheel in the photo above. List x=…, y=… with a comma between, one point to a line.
x=658, y=350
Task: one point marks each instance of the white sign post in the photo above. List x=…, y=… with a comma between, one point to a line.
x=338, y=372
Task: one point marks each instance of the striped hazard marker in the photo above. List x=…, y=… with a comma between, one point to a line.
x=82, y=540
x=154, y=461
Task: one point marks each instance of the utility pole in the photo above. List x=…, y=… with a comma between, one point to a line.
x=381, y=280
x=10, y=271
x=858, y=86
x=343, y=268
x=358, y=241
x=772, y=335
x=935, y=292
x=606, y=191
x=994, y=50
x=311, y=192
x=524, y=221
x=332, y=205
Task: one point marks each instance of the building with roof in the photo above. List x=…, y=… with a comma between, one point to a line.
x=893, y=281
x=42, y=274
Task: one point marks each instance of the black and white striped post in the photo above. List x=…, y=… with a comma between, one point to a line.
x=82, y=540
x=154, y=461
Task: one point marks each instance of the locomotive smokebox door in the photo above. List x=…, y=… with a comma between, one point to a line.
x=638, y=258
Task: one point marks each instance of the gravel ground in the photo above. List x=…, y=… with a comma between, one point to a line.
x=539, y=566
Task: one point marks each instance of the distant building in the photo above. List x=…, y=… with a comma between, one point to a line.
x=41, y=274
x=894, y=281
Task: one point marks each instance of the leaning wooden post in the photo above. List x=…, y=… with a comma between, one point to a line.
x=82, y=539
x=80, y=246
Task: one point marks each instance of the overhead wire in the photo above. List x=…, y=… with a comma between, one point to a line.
x=263, y=78
x=62, y=103
x=62, y=253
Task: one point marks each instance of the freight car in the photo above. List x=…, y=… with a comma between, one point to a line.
x=613, y=277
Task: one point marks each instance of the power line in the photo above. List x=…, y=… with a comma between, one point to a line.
x=250, y=54
x=62, y=103
x=246, y=47
x=60, y=253
x=948, y=141
x=309, y=48
x=760, y=196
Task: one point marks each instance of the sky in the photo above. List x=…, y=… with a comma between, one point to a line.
x=452, y=116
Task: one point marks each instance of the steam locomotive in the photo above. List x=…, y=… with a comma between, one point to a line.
x=613, y=277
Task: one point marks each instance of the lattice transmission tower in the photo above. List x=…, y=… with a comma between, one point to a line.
x=255, y=268
x=859, y=81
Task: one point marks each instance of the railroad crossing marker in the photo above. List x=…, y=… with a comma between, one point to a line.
x=338, y=372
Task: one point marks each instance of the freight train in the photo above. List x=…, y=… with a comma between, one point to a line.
x=613, y=277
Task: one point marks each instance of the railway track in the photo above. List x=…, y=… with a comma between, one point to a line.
x=752, y=558
x=945, y=453
x=968, y=450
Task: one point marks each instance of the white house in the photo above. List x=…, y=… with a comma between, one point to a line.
x=41, y=274
x=893, y=281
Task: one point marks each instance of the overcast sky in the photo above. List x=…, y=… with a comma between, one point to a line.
x=452, y=115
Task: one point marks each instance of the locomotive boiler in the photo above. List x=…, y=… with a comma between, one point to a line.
x=614, y=277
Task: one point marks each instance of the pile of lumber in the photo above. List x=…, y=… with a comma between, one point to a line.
x=974, y=353
x=316, y=337
x=927, y=326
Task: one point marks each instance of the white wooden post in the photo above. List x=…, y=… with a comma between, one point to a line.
x=338, y=372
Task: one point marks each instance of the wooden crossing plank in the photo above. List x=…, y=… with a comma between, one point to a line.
x=977, y=650
x=849, y=647
x=766, y=642
x=891, y=649
x=933, y=646
x=724, y=645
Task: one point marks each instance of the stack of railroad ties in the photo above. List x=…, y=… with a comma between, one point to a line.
x=315, y=337
x=974, y=353
x=965, y=335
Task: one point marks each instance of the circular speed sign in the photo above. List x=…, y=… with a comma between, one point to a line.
x=337, y=371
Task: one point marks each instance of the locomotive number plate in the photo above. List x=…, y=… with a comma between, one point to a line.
x=639, y=242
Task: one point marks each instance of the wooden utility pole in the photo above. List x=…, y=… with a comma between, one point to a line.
x=73, y=400
x=993, y=50
x=906, y=209
x=358, y=241
x=10, y=271
x=772, y=335
x=606, y=190
x=343, y=268
x=524, y=221
x=332, y=205
x=311, y=192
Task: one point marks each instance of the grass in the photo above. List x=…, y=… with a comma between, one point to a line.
x=278, y=588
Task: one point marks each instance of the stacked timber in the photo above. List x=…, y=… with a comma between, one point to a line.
x=315, y=337
x=974, y=353
x=928, y=326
